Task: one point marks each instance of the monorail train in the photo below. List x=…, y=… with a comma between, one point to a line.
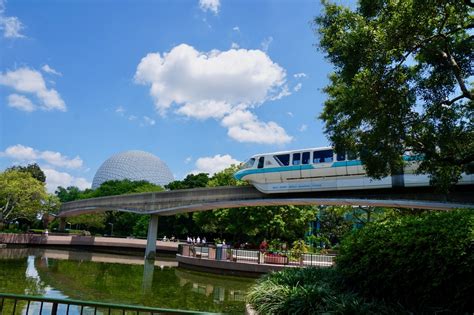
x=319, y=169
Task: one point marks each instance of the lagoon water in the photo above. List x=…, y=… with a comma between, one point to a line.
x=120, y=279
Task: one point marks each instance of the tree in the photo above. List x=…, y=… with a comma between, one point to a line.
x=402, y=82
x=424, y=262
x=226, y=178
x=35, y=171
x=334, y=224
x=190, y=181
x=21, y=196
x=68, y=194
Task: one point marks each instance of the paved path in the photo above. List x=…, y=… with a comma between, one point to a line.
x=78, y=240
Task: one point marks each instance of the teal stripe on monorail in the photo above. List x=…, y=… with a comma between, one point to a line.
x=240, y=174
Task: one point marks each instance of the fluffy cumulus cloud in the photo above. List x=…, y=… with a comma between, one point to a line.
x=214, y=164
x=21, y=102
x=215, y=84
x=49, y=161
x=26, y=80
x=244, y=126
x=24, y=153
x=10, y=25
x=210, y=5
x=56, y=178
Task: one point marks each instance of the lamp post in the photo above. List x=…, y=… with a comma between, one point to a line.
x=111, y=229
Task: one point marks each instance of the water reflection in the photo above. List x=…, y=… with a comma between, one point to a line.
x=113, y=278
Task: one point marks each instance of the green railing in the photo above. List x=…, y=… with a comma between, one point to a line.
x=28, y=304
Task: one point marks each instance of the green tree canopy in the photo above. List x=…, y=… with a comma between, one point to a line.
x=190, y=181
x=402, y=82
x=21, y=196
x=35, y=171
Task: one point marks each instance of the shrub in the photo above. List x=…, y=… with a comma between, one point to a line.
x=424, y=262
x=310, y=291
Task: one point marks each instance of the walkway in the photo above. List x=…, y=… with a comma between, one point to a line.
x=78, y=240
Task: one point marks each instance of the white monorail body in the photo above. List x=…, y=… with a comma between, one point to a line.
x=319, y=169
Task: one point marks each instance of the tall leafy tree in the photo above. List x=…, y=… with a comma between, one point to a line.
x=21, y=196
x=35, y=171
x=402, y=82
x=190, y=181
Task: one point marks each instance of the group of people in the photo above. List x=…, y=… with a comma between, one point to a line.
x=172, y=239
x=197, y=240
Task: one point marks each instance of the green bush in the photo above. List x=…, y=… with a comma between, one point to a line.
x=310, y=291
x=424, y=262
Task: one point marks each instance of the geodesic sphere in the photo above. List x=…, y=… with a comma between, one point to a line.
x=135, y=166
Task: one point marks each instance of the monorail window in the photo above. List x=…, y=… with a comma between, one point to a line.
x=296, y=158
x=351, y=155
x=322, y=156
x=261, y=161
x=341, y=156
x=283, y=159
x=249, y=163
x=305, y=159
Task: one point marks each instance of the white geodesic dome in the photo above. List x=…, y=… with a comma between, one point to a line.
x=135, y=166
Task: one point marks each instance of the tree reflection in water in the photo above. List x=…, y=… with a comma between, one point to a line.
x=118, y=279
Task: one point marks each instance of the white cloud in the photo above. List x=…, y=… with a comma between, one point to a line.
x=10, y=25
x=212, y=165
x=132, y=117
x=55, y=178
x=244, y=126
x=21, y=102
x=290, y=114
x=20, y=152
x=236, y=28
x=188, y=160
x=205, y=109
x=25, y=80
x=300, y=75
x=297, y=87
x=234, y=46
x=185, y=75
x=303, y=128
x=24, y=153
x=266, y=43
x=213, y=84
x=210, y=5
x=50, y=70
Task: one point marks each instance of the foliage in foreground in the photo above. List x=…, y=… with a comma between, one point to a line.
x=310, y=291
x=423, y=262
x=402, y=81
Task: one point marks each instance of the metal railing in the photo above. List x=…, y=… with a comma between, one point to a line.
x=254, y=256
x=27, y=304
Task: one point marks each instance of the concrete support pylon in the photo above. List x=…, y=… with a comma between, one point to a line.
x=62, y=224
x=150, y=251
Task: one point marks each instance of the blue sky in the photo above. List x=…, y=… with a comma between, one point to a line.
x=199, y=83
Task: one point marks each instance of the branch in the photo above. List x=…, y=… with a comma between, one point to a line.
x=9, y=212
x=457, y=72
x=428, y=39
x=450, y=102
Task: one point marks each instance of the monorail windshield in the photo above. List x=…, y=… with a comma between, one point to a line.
x=248, y=164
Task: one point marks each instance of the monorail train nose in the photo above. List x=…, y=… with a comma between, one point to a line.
x=239, y=174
